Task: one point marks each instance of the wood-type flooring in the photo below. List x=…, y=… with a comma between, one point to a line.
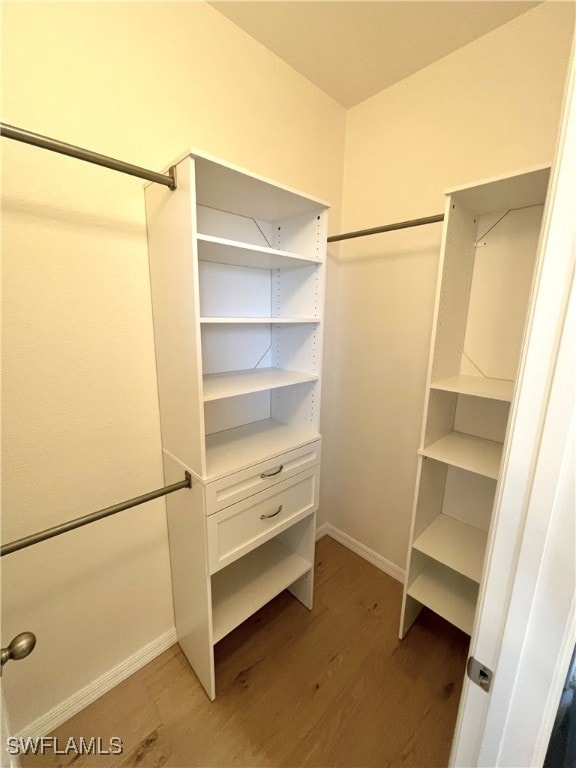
x=329, y=687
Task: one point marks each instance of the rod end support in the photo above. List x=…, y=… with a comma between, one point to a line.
x=172, y=174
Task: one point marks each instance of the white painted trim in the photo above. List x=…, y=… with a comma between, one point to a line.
x=365, y=552
x=50, y=720
x=321, y=531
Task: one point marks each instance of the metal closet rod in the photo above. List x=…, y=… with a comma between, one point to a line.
x=18, y=134
x=387, y=228
x=169, y=179
x=57, y=530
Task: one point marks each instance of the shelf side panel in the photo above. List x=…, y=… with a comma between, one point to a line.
x=440, y=413
x=298, y=406
x=305, y=234
x=469, y=497
x=298, y=347
x=175, y=301
x=190, y=581
x=431, y=490
x=301, y=539
x=452, y=303
x=298, y=292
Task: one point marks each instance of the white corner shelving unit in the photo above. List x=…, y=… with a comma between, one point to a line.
x=237, y=276
x=490, y=242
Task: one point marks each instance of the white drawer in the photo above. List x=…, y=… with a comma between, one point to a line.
x=238, y=529
x=232, y=488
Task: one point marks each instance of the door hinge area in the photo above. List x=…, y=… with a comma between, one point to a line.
x=479, y=673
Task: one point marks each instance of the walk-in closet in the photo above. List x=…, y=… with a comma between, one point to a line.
x=288, y=384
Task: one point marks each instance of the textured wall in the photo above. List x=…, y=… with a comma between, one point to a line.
x=490, y=108
x=141, y=82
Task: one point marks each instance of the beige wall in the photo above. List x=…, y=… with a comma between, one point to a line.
x=141, y=82
x=490, y=108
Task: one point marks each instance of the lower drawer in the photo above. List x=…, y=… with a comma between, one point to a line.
x=238, y=529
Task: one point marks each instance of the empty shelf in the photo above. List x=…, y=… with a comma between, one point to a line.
x=233, y=189
x=494, y=389
x=249, y=583
x=448, y=594
x=233, y=383
x=476, y=454
x=223, y=251
x=234, y=449
x=259, y=320
x=456, y=544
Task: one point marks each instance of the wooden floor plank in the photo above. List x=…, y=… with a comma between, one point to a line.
x=329, y=687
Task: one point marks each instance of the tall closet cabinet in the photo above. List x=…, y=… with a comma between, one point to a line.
x=490, y=242
x=237, y=276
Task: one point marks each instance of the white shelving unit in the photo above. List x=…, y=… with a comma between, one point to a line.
x=490, y=242
x=237, y=275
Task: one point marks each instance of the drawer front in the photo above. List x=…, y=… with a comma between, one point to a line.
x=232, y=488
x=238, y=529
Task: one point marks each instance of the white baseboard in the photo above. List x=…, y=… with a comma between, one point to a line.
x=321, y=531
x=380, y=562
x=47, y=722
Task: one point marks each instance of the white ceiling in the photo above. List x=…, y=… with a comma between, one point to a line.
x=352, y=49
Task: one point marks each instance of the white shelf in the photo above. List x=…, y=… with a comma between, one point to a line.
x=258, y=320
x=456, y=544
x=494, y=389
x=233, y=383
x=249, y=583
x=230, y=188
x=224, y=251
x=241, y=447
x=474, y=454
x=448, y=594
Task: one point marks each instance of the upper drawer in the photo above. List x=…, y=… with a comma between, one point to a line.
x=238, y=529
x=232, y=488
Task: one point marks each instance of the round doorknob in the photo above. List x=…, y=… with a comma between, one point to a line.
x=22, y=645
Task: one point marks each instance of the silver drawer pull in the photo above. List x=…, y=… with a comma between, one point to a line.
x=264, y=475
x=267, y=517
